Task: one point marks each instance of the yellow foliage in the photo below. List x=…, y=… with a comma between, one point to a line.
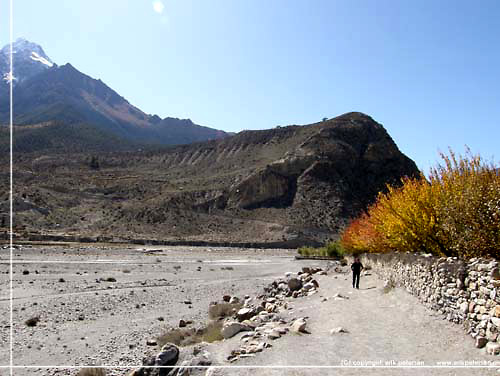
x=456, y=213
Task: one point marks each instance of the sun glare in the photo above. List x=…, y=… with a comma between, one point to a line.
x=158, y=6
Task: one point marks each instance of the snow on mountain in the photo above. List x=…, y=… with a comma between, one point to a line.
x=28, y=60
x=42, y=60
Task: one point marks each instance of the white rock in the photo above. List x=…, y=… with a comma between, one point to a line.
x=229, y=329
x=299, y=326
x=496, y=321
x=338, y=330
x=464, y=307
x=493, y=348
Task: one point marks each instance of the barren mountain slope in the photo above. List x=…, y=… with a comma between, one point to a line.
x=296, y=183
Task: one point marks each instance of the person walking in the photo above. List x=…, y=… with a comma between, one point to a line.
x=356, y=268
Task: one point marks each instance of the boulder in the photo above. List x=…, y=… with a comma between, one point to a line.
x=245, y=314
x=168, y=356
x=294, y=284
x=493, y=348
x=496, y=311
x=338, y=330
x=188, y=367
x=481, y=342
x=231, y=328
x=273, y=334
x=299, y=326
x=308, y=286
x=464, y=307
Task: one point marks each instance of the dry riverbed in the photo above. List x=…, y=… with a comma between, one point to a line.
x=100, y=305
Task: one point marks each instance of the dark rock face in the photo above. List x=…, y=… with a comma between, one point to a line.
x=331, y=176
x=286, y=186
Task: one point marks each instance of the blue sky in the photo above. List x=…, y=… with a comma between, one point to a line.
x=427, y=70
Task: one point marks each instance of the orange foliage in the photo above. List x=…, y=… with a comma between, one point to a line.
x=457, y=213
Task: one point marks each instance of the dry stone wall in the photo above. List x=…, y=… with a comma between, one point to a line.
x=465, y=292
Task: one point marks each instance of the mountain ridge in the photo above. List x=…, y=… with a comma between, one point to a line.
x=64, y=94
x=290, y=184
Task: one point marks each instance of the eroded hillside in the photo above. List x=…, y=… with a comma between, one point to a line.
x=290, y=183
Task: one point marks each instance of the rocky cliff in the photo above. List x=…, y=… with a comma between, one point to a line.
x=296, y=183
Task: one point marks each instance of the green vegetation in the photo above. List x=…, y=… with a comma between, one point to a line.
x=91, y=372
x=191, y=336
x=454, y=213
x=331, y=249
x=222, y=310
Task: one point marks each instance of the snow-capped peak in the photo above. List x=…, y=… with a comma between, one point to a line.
x=28, y=60
x=36, y=57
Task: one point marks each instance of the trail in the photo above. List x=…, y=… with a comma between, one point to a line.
x=386, y=329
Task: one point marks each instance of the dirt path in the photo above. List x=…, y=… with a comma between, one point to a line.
x=382, y=327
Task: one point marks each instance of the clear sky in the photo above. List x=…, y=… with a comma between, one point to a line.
x=427, y=70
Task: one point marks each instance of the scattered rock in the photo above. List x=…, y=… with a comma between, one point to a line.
x=481, y=342
x=168, y=355
x=496, y=311
x=493, y=348
x=182, y=323
x=338, y=330
x=231, y=328
x=226, y=298
x=32, y=321
x=234, y=300
x=151, y=342
x=299, y=326
x=496, y=321
x=245, y=314
x=294, y=284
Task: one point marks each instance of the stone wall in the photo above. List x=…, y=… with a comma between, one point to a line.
x=465, y=292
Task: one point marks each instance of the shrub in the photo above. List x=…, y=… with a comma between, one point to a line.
x=469, y=205
x=331, y=249
x=191, y=336
x=455, y=213
x=334, y=249
x=306, y=251
x=91, y=372
x=222, y=310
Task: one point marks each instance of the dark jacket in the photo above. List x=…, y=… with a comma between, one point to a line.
x=356, y=267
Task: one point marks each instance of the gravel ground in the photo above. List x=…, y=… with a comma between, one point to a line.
x=86, y=319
